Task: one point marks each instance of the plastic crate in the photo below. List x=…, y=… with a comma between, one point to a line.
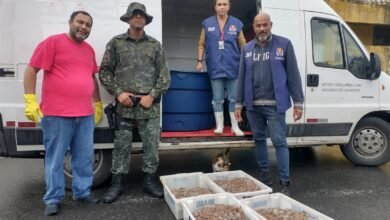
x=240, y=174
x=170, y=182
x=278, y=200
x=192, y=204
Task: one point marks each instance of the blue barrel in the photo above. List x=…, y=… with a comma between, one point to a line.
x=186, y=106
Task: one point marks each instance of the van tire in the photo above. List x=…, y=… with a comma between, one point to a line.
x=369, y=144
x=101, y=168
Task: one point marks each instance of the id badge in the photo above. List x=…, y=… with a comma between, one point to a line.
x=221, y=45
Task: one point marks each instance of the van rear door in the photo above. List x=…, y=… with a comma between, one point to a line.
x=338, y=92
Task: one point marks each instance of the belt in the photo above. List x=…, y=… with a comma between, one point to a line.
x=135, y=99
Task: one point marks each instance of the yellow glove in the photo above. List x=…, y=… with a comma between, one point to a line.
x=98, y=111
x=32, y=109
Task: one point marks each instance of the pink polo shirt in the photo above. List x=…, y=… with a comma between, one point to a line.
x=67, y=87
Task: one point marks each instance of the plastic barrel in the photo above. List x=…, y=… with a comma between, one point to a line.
x=187, y=103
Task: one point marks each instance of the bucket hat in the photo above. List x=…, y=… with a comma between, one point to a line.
x=130, y=10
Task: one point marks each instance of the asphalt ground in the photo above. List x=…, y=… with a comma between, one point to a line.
x=321, y=179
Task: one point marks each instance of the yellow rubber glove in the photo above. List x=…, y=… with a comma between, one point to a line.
x=32, y=109
x=98, y=106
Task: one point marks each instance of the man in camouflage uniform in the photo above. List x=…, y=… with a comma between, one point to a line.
x=135, y=71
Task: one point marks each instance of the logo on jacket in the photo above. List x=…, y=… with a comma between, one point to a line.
x=211, y=29
x=232, y=28
x=279, y=52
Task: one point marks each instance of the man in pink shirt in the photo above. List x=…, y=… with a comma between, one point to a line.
x=69, y=89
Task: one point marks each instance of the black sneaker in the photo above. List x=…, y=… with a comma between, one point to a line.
x=285, y=187
x=52, y=209
x=91, y=199
x=265, y=177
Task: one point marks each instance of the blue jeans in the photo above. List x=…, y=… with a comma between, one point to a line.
x=259, y=119
x=218, y=86
x=59, y=135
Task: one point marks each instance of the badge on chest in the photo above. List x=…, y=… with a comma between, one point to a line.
x=221, y=45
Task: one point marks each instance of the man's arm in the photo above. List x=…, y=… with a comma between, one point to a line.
x=240, y=88
x=294, y=82
x=240, y=82
x=30, y=79
x=107, y=70
x=162, y=82
x=293, y=77
x=107, y=75
x=164, y=77
x=96, y=92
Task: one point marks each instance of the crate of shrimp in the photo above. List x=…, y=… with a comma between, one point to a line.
x=217, y=206
x=239, y=184
x=280, y=206
x=185, y=185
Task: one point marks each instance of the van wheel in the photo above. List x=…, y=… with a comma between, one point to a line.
x=369, y=143
x=101, y=168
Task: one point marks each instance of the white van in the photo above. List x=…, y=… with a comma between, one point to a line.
x=347, y=98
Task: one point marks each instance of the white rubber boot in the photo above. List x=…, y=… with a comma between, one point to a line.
x=235, y=128
x=218, y=122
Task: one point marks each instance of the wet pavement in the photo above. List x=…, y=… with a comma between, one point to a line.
x=321, y=179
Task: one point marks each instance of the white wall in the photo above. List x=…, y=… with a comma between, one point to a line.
x=36, y=20
x=6, y=33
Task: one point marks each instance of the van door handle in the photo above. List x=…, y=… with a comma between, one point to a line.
x=312, y=80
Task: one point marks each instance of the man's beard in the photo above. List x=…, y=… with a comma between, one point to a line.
x=79, y=37
x=263, y=38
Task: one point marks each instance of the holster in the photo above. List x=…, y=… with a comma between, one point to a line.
x=110, y=111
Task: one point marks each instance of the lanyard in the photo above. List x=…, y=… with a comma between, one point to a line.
x=221, y=38
x=222, y=35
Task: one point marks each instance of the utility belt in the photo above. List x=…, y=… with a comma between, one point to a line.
x=110, y=109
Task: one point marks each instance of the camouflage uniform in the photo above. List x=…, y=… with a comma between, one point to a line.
x=138, y=67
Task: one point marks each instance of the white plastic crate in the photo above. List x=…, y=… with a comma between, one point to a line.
x=240, y=174
x=190, y=205
x=175, y=181
x=278, y=200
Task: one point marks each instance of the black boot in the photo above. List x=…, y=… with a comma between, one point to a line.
x=285, y=187
x=152, y=185
x=116, y=188
x=265, y=177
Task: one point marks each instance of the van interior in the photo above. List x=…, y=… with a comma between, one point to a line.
x=181, y=30
x=182, y=22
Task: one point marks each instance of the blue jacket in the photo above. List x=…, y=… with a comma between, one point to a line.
x=222, y=63
x=285, y=74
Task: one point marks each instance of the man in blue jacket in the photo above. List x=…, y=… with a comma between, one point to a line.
x=268, y=77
